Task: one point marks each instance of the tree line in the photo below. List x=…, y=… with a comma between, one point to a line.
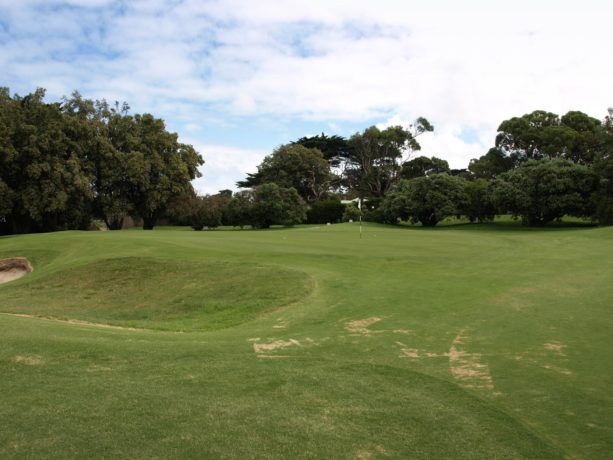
x=68, y=162
x=65, y=163
x=542, y=167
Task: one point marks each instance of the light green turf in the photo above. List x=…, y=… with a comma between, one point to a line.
x=457, y=342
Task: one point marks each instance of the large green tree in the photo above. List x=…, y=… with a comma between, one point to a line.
x=545, y=135
x=423, y=166
x=274, y=205
x=335, y=149
x=158, y=168
x=479, y=205
x=63, y=163
x=603, y=167
x=426, y=199
x=490, y=165
x=544, y=190
x=294, y=166
x=377, y=156
x=47, y=184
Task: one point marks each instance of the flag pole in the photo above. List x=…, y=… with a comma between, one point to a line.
x=360, y=208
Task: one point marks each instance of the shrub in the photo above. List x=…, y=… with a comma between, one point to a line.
x=322, y=212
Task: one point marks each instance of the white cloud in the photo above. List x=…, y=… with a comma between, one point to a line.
x=463, y=65
x=224, y=166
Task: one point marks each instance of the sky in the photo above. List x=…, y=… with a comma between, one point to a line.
x=238, y=78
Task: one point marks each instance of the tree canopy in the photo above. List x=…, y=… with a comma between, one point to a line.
x=544, y=190
x=67, y=162
x=294, y=166
x=545, y=135
x=426, y=199
x=376, y=156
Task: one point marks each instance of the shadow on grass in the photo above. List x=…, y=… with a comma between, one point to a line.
x=503, y=224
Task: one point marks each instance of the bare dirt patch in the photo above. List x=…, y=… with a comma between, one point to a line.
x=415, y=353
x=269, y=349
x=78, y=322
x=28, y=360
x=14, y=268
x=275, y=345
x=360, y=326
x=559, y=370
x=468, y=368
x=556, y=347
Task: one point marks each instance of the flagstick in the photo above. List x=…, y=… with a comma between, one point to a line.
x=360, y=208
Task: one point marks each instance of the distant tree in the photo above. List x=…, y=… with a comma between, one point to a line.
x=46, y=185
x=490, y=165
x=427, y=199
x=160, y=168
x=225, y=193
x=479, y=205
x=462, y=173
x=335, y=149
x=274, y=205
x=351, y=212
x=327, y=211
x=541, y=191
x=239, y=209
x=376, y=155
x=544, y=135
x=206, y=212
x=423, y=166
x=603, y=167
x=180, y=207
x=294, y=166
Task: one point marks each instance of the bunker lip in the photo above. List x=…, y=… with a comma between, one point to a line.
x=14, y=268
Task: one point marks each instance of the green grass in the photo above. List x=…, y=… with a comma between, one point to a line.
x=165, y=294
x=468, y=341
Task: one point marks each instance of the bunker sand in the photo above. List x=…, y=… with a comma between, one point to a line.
x=14, y=268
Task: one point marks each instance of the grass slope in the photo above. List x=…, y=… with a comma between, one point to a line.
x=458, y=342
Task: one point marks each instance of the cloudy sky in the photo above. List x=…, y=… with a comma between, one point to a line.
x=237, y=78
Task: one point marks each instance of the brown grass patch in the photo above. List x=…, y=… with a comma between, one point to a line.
x=28, y=360
x=361, y=326
x=275, y=345
x=559, y=370
x=556, y=347
x=468, y=368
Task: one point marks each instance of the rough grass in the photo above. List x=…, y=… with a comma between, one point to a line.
x=489, y=342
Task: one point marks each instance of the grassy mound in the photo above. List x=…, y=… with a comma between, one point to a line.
x=159, y=294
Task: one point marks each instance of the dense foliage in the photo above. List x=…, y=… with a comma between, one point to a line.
x=427, y=199
x=68, y=162
x=543, y=166
x=544, y=190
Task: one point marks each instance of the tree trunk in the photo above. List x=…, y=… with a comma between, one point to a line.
x=149, y=222
x=113, y=223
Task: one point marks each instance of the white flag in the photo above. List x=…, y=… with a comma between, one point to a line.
x=359, y=204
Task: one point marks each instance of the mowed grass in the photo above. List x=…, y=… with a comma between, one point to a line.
x=152, y=293
x=458, y=342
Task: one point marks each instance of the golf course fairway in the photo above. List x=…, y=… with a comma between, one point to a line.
x=465, y=341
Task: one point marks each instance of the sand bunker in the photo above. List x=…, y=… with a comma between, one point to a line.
x=14, y=268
